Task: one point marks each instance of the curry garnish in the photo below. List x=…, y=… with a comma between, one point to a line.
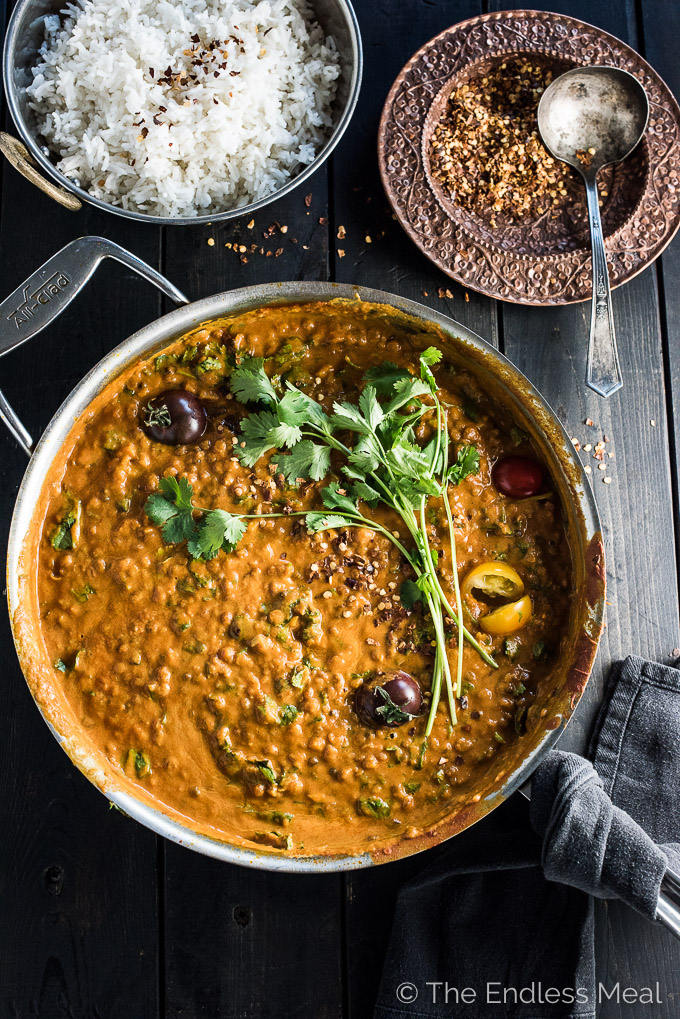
x=159, y=416
x=389, y=712
x=384, y=465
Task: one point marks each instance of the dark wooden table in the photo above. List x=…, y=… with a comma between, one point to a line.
x=99, y=919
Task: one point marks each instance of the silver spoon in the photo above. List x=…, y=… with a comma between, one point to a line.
x=589, y=117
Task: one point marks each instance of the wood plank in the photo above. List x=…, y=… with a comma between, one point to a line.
x=549, y=345
x=390, y=262
x=660, y=36
x=297, y=242
x=391, y=34
x=243, y=942
x=77, y=881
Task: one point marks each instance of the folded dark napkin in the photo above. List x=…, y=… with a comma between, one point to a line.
x=502, y=924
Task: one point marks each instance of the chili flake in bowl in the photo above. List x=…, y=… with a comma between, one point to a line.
x=488, y=167
x=486, y=150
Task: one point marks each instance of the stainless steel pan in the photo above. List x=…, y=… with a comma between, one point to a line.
x=37, y=302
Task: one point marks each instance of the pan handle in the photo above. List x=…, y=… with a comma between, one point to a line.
x=668, y=906
x=16, y=153
x=45, y=294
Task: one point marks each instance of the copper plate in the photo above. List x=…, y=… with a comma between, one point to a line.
x=546, y=261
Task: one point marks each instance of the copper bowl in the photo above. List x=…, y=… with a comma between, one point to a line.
x=544, y=261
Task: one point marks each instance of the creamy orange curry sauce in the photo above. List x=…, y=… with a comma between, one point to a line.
x=225, y=690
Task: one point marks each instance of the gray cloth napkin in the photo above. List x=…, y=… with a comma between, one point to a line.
x=505, y=906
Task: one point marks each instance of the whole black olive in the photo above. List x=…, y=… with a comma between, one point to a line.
x=389, y=700
x=175, y=417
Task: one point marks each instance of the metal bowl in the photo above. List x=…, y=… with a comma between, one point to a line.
x=25, y=35
x=508, y=388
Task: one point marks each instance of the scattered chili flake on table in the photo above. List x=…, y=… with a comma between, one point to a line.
x=599, y=452
x=486, y=148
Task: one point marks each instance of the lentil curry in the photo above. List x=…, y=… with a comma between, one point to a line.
x=276, y=689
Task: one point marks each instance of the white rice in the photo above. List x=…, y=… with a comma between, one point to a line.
x=233, y=136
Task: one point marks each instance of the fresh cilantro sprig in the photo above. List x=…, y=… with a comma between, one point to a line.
x=382, y=461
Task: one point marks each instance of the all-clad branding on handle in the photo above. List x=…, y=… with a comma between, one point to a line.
x=38, y=300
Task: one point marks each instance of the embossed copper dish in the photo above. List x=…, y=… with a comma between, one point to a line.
x=546, y=261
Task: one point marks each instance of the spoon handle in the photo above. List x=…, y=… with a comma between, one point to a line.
x=603, y=374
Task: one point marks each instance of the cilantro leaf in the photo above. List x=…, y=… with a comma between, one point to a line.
x=257, y=432
x=410, y=594
x=431, y=356
x=179, y=528
x=216, y=530
x=362, y=490
x=370, y=408
x=177, y=489
x=383, y=377
x=406, y=390
x=291, y=408
x=415, y=488
x=296, y=408
x=336, y=498
x=176, y=516
x=285, y=435
x=466, y=463
x=324, y=521
x=306, y=460
x=250, y=384
x=365, y=456
x=408, y=459
x=158, y=509
x=346, y=415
